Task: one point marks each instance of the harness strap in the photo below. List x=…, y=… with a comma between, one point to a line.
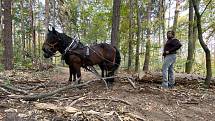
x=113, y=62
x=52, y=45
x=66, y=50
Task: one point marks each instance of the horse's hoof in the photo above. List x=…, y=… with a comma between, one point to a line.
x=69, y=82
x=110, y=84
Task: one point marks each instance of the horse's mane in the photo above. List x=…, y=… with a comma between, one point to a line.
x=67, y=40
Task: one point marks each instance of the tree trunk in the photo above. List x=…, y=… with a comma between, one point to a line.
x=115, y=23
x=169, y=14
x=148, y=43
x=214, y=57
x=204, y=46
x=54, y=24
x=7, y=35
x=39, y=44
x=32, y=28
x=138, y=37
x=163, y=21
x=47, y=14
x=176, y=15
x=0, y=21
x=190, y=56
x=131, y=32
x=22, y=29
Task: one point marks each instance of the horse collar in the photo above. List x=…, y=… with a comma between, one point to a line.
x=73, y=47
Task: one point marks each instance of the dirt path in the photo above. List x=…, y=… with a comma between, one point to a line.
x=122, y=102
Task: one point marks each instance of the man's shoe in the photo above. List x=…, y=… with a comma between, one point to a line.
x=171, y=85
x=165, y=85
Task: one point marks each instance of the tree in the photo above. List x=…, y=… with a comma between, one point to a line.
x=148, y=43
x=138, y=36
x=131, y=33
x=214, y=55
x=47, y=14
x=176, y=15
x=0, y=21
x=31, y=12
x=7, y=35
x=163, y=20
x=22, y=28
x=115, y=23
x=190, y=57
x=202, y=43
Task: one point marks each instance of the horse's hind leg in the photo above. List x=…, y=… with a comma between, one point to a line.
x=102, y=69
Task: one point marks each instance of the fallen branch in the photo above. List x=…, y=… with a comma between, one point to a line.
x=34, y=97
x=13, y=89
x=110, y=99
x=5, y=91
x=132, y=83
x=135, y=116
x=180, y=78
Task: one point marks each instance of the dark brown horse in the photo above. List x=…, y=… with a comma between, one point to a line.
x=77, y=55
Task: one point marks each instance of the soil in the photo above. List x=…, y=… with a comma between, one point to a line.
x=96, y=103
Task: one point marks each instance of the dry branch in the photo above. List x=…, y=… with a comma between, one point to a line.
x=34, y=97
x=110, y=99
x=13, y=89
x=181, y=78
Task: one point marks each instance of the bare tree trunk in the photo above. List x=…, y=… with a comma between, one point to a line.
x=214, y=55
x=0, y=21
x=32, y=29
x=22, y=29
x=138, y=37
x=163, y=21
x=131, y=34
x=39, y=44
x=148, y=43
x=54, y=24
x=7, y=35
x=204, y=46
x=169, y=14
x=47, y=14
x=190, y=56
x=115, y=23
x=176, y=15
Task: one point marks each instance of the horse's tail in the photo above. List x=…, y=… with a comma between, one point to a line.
x=117, y=59
x=115, y=65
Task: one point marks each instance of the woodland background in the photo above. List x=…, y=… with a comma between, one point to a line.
x=142, y=30
x=138, y=28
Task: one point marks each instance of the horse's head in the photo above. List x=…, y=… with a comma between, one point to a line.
x=50, y=46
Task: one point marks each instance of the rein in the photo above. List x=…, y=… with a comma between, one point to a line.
x=102, y=56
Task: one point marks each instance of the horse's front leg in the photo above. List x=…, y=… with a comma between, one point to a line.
x=71, y=73
x=77, y=69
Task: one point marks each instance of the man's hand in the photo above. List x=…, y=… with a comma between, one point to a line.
x=167, y=52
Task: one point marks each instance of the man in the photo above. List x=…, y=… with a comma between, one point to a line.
x=170, y=48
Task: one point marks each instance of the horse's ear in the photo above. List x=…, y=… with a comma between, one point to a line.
x=54, y=31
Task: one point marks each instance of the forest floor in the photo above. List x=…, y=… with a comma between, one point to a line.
x=94, y=102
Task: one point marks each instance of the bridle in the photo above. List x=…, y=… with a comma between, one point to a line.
x=52, y=45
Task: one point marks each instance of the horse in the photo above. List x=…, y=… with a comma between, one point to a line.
x=77, y=55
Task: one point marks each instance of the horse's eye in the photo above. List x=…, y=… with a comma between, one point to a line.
x=44, y=50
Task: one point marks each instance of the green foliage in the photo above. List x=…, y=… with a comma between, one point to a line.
x=92, y=20
x=7, y=82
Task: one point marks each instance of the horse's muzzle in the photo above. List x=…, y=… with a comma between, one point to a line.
x=46, y=55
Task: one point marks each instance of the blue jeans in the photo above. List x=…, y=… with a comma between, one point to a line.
x=168, y=70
